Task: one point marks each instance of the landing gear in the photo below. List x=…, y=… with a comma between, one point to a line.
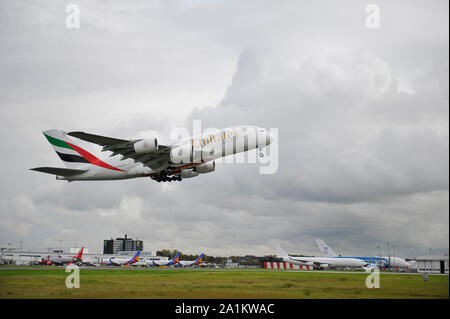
x=162, y=177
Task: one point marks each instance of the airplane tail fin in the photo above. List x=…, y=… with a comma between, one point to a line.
x=134, y=259
x=66, y=148
x=71, y=152
x=326, y=251
x=199, y=259
x=175, y=259
x=80, y=253
x=280, y=251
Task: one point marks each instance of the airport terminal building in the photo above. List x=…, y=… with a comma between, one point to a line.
x=114, y=246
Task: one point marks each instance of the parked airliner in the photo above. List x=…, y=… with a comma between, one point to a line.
x=382, y=261
x=146, y=157
x=64, y=260
x=324, y=262
x=191, y=263
x=173, y=262
x=122, y=261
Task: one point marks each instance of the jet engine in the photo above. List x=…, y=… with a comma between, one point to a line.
x=146, y=146
x=186, y=173
x=206, y=167
x=324, y=265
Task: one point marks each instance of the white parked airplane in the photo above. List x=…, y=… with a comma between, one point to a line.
x=146, y=157
x=173, y=262
x=122, y=261
x=371, y=260
x=191, y=263
x=324, y=262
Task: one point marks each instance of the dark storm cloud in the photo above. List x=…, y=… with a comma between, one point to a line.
x=331, y=130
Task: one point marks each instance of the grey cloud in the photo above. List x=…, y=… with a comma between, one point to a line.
x=362, y=117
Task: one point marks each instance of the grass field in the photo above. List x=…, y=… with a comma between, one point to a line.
x=29, y=282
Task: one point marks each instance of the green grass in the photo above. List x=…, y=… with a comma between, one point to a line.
x=36, y=282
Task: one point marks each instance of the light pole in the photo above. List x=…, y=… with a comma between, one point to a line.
x=379, y=255
x=389, y=257
x=60, y=248
x=393, y=255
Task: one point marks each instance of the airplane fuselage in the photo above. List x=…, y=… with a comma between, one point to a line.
x=325, y=261
x=200, y=149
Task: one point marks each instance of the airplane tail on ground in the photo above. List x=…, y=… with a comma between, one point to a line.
x=133, y=260
x=198, y=261
x=326, y=251
x=280, y=251
x=80, y=253
x=175, y=260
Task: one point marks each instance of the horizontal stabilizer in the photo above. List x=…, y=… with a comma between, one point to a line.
x=59, y=171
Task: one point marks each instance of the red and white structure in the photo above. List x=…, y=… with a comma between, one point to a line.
x=285, y=265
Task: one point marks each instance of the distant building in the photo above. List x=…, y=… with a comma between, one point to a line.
x=437, y=264
x=114, y=246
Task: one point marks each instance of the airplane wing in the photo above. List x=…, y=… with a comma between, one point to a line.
x=125, y=148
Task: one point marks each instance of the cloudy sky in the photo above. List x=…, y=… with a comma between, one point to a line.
x=362, y=119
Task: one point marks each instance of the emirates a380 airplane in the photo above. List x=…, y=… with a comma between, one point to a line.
x=146, y=158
